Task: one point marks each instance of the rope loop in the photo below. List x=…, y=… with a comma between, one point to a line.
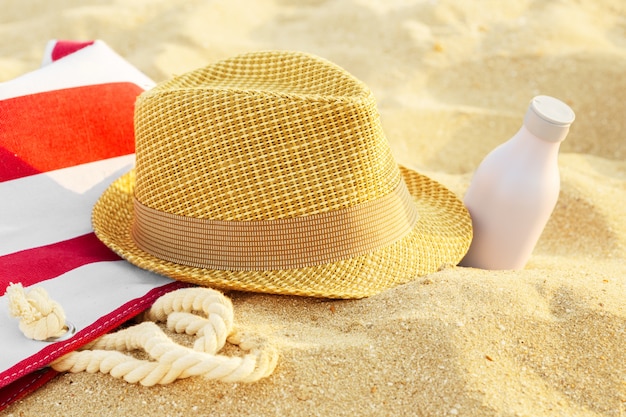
x=180, y=310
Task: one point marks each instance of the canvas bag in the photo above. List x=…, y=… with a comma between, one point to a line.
x=66, y=132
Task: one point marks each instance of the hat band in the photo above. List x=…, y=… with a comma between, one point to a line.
x=289, y=243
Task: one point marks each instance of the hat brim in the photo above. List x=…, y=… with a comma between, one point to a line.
x=441, y=237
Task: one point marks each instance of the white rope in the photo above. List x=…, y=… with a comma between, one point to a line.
x=200, y=312
x=176, y=308
x=172, y=361
x=40, y=317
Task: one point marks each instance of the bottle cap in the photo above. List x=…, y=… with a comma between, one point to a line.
x=549, y=118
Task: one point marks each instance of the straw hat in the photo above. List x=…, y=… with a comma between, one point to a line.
x=270, y=172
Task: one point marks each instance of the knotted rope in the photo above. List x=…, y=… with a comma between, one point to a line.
x=172, y=361
x=40, y=317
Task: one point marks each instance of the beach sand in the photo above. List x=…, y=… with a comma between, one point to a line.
x=452, y=80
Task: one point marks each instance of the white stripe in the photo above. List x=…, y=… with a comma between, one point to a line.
x=47, y=52
x=86, y=294
x=51, y=207
x=94, y=64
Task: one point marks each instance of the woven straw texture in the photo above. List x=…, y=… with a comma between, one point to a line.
x=282, y=135
x=277, y=135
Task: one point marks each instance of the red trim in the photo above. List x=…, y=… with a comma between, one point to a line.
x=19, y=389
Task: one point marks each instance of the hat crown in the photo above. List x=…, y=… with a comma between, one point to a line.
x=261, y=136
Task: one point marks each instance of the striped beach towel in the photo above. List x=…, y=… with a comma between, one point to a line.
x=66, y=132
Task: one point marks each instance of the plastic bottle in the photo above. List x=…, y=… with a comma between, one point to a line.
x=516, y=187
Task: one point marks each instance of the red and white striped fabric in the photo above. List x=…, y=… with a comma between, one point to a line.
x=66, y=132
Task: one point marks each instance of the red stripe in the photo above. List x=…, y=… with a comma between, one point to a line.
x=64, y=48
x=13, y=167
x=63, y=128
x=35, y=265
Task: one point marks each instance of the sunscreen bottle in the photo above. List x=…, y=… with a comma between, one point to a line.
x=515, y=188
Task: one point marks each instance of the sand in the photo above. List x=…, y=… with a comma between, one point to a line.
x=452, y=80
